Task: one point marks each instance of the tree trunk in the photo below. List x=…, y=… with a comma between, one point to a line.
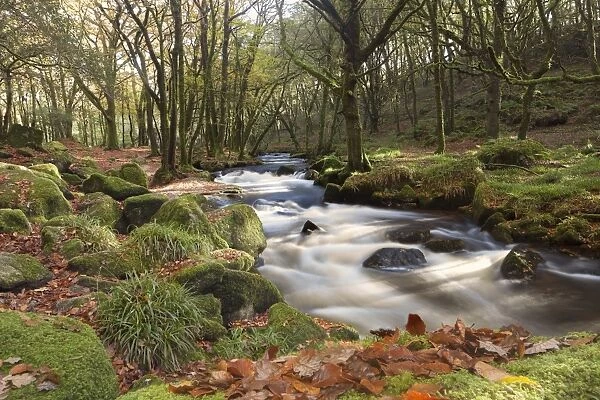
x=6, y=120
x=432, y=6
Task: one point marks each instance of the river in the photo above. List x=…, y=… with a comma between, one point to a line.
x=322, y=274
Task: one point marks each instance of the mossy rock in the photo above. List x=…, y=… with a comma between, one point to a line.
x=242, y=294
x=85, y=167
x=34, y=193
x=72, y=248
x=26, y=152
x=54, y=146
x=343, y=333
x=201, y=277
x=297, y=327
x=520, y=263
x=234, y=259
x=486, y=202
x=506, y=152
x=185, y=213
x=336, y=176
x=47, y=168
x=241, y=228
x=96, y=283
x=573, y=231
x=139, y=210
x=445, y=245
x=110, y=263
x=133, y=173
x=360, y=188
x=71, y=179
x=4, y=155
x=14, y=221
x=21, y=270
x=116, y=188
x=100, y=207
x=62, y=185
x=58, y=154
x=327, y=163
x=67, y=347
x=333, y=193
x=23, y=136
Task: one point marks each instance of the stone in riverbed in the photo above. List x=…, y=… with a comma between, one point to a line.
x=520, y=263
x=285, y=170
x=309, y=227
x=395, y=259
x=402, y=235
x=445, y=245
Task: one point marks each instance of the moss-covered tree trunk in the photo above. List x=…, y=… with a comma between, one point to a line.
x=432, y=7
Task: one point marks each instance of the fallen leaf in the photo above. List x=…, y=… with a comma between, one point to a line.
x=489, y=372
x=307, y=363
x=492, y=348
x=20, y=380
x=46, y=386
x=12, y=360
x=374, y=386
x=241, y=368
x=579, y=341
x=303, y=387
x=202, y=390
x=181, y=387
x=456, y=358
x=415, y=325
x=415, y=395
x=328, y=375
x=459, y=327
x=20, y=369
x=543, y=347
x=220, y=378
x=445, y=339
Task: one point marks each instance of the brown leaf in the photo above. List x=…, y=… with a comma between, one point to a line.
x=202, y=390
x=404, y=366
x=492, y=348
x=266, y=370
x=303, y=387
x=358, y=369
x=415, y=325
x=437, y=367
x=279, y=387
x=489, y=372
x=12, y=360
x=456, y=358
x=459, y=327
x=445, y=339
x=241, y=368
x=221, y=379
x=430, y=388
x=307, y=363
x=328, y=375
x=23, y=379
x=271, y=353
x=551, y=344
x=181, y=387
x=399, y=353
x=579, y=341
x=374, y=386
x=20, y=369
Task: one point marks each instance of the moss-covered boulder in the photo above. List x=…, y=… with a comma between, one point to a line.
x=116, y=188
x=486, y=202
x=242, y=294
x=97, y=283
x=241, y=228
x=72, y=179
x=234, y=259
x=139, y=210
x=333, y=193
x=133, y=173
x=327, y=163
x=573, y=231
x=359, y=188
x=185, y=213
x=297, y=327
x=21, y=270
x=506, y=152
x=14, y=221
x=85, y=167
x=22, y=136
x=110, y=263
x=47, y=168
x=520, y=263
x=100, y=207
x=58, y=154
x=68, y=348
x=32, y=192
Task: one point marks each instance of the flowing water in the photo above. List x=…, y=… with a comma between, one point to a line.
x=322, y=273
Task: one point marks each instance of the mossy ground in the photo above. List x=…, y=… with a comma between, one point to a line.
x=68, y=347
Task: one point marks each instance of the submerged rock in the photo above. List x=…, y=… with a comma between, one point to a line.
x=309, y=227
x=285, y=170
x=402, y=235
x=445, y=245
x=520, y=263
x=395, y=259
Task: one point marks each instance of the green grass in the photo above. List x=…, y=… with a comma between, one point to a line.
x=250, y=343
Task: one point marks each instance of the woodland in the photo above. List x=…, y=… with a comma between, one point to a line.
x=122, y=278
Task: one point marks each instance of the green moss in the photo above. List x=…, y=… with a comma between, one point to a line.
x=344, y=333
x=36, y=195
x=138, y=210
x=22, y=136
x=451, y=177
x=116, y=188
x=54, y=147
x=184, y=213
x=161, y=392
x=362, y=186
x=573, y=230
x=71, y=179
x=116, y=263
x=200, y=278
x=17, y=270
x=101, y=207
x=399, y=384
x=48, y=169
x=72, y=248
x=133, y=173
x=511, y=152
x=85, y=167
x=14, y=221
x=296, y=326
x=241, y=228
x=68, y=347
x=234, y=259
x=565, y=374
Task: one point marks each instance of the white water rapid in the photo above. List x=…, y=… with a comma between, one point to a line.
x=322, y=273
